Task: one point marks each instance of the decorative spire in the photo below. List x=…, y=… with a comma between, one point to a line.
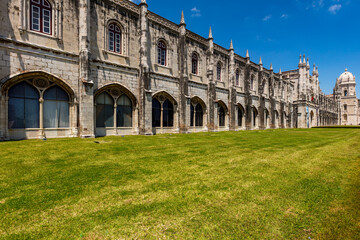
x=247, y=54
x=300, y=62
x=314, y=69
x=280, y=71
x=307, y=63
x=231, y=45
x=210, y=34
x=143, y=2
x=260, y=61
x=346, y=69
x=271, y=67
x=182, y=21
x=304, y=62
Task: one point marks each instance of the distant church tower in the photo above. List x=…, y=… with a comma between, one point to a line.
x=345, y=94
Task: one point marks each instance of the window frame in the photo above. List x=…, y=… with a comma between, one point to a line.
x=195, y=63
x=117, y=36
x=40, y=5
x=218, y=72
x=162, y=53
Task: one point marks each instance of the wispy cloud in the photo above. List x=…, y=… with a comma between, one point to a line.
x=195, y=12
x=267, y=18
x=334, y=9
x=284, y=16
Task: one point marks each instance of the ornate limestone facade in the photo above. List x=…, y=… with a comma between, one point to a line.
x=110, y=67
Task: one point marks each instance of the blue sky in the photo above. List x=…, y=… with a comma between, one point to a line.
x=327, y=31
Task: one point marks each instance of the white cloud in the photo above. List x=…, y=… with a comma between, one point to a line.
x=284, y=16
x=267, y=18
x=195, y=12
x=334, y=8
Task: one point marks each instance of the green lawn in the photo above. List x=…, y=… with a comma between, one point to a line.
x=273, y=184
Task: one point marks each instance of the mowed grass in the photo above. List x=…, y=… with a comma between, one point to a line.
x=273, y=184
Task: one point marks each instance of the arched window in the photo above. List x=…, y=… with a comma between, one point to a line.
x=266, y=114
x=199, y=115
x=162, y=53
x=40, y=16
x=192, y=115
x=56, y=108
x=156, y=113
x=221, y=116
x=194, y=64
x=218, y=72
x=104, y=110
x=168, y=114
x=114, y=38
x=23, y=106
x=345, y=93
x=162, y=113
x=254, y=117
x=237, y=77
x=240, y=116
x=124, y=112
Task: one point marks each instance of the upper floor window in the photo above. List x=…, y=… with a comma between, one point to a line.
x=345, y=93
x=40, y=16
x=114, y=38
x=162, y=53
x=237, y=77
x=194, y=64
x=252, y=82
x=218, y=72
x=345, y=107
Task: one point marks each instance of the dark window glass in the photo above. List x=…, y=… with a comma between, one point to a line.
x=56, y=108
x=40, y=16
x=254, y=117
x=218, y=72
x=124, y=112
x=23, y=106
x=199, y=115
x=192, y=111
x=156, y=113
x=168, y=114
x=240, y=117
x=221, y=116
x=162, y=53
x=104, y=111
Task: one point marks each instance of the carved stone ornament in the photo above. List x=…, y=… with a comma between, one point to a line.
x=116, y=92
x=41, y=83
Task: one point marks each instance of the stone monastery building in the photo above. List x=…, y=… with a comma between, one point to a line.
x=91, y=68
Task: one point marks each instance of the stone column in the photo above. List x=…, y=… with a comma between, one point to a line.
x=86, y=91
x=272, y=101
x=262, y=117
x=144, y=82
x=232, y=90
x=248, y=95
x=211, y=85
x=183, y=79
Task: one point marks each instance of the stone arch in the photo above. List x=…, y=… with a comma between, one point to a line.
x=163, y=95
x=197, y=99
x=116, y=90
x=40, y=79
x=221, y=103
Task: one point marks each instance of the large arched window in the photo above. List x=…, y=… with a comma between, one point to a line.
x=168, y=114
x=196, y=115
x=124, y=112
x=114, y=38
x=162, y=53
x=162, y=113
x=40, y=16
x=255, y=113
x=218, y=72
x=194, y=64
x=221, y=116
x=56, y=108
x=237, y=77
x=23, y=106
x=104, y=110
x=240, y=116
x=156, y=113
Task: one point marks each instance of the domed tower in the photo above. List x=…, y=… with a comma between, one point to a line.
x=345, y=93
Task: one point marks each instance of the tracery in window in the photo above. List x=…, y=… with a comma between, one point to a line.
x=162, y=112
x=194, y=64
x=218, y=72
x=162, y=53
x=115, y=38
x=41, y=16
x=196, y=115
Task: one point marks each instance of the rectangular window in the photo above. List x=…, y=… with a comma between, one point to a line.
x=111, y=41
x=35, y=18
x=46, y=21
x=117, y=38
